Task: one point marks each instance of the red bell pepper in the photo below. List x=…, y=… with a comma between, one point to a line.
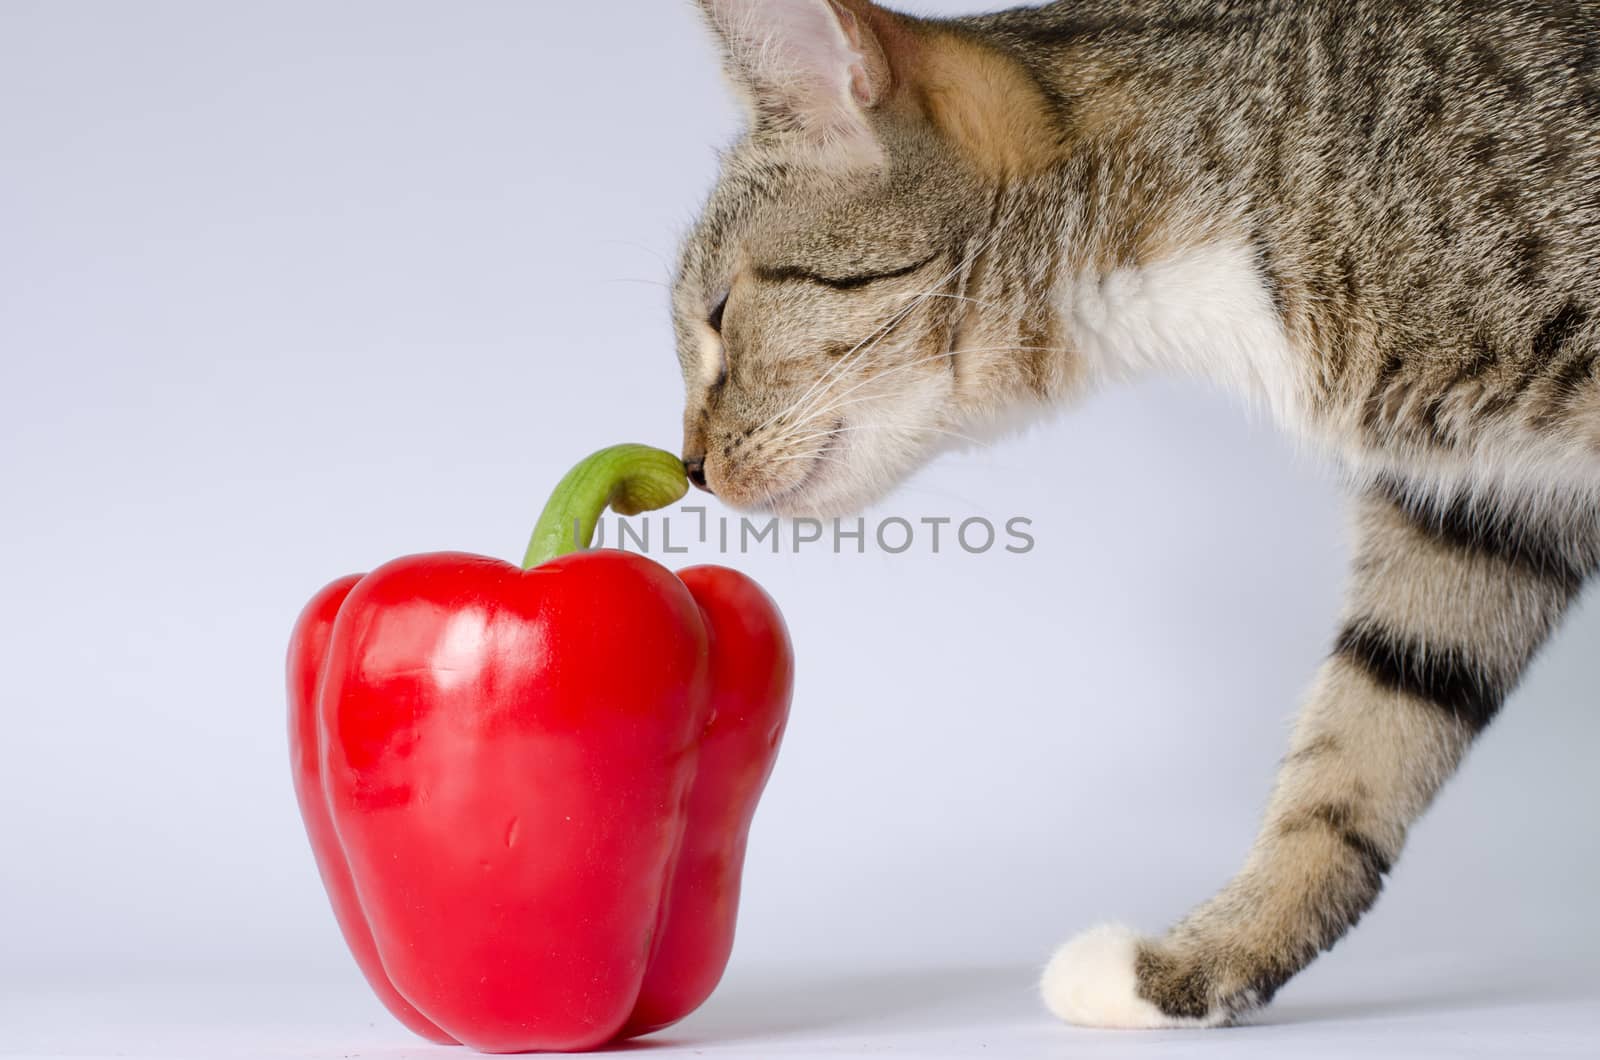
x=529, y=790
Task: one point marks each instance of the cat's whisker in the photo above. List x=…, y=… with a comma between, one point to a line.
x=963, y=298
x=914, y=430
x=874, y=338
x=810, y=412
x=915, y=302
x=814, y=457
x=881, y=330
x=815, y=436
x=940, y=357
x=942, y=432
x=824, y=436
x=634, y=279
x=1010, y=349
x=815, y=415
x=652, y=251
x=862, y=348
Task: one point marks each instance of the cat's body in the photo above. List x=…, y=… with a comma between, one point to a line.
x=1419, y=188
x=1381, y=221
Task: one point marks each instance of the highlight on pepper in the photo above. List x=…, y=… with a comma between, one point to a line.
x=529, y=789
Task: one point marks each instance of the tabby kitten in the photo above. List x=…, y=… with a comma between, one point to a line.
x=1380, y=220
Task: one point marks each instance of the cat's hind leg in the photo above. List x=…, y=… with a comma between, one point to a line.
x=1449, y=602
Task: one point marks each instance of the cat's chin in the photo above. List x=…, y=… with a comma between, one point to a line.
x=834, y=490
x=804, y=508
x=830, y=491
x=847, y=478
x=824, y=492
x=815, y=499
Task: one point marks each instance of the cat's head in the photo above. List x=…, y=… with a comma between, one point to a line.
x=819, y=296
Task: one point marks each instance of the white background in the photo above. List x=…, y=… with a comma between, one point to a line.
x=289, y=289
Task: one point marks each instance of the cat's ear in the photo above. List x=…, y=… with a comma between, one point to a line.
x=814, y=68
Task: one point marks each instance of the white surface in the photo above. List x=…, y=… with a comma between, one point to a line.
x=1414, y=1008
x=289, y=289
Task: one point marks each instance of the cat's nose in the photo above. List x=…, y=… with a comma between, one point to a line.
x=696, y=467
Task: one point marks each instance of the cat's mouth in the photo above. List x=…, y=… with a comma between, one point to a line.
x=791, y=499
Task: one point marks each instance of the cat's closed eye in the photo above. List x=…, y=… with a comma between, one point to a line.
x=795, y=273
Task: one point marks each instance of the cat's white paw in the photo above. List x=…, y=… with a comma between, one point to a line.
x=1092, y=982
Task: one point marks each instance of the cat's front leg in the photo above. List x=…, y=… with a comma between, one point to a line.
x=1449, y=602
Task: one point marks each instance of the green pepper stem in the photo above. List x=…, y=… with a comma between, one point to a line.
x=629, y=479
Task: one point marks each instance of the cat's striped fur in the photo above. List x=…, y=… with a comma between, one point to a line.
x=1381, y=220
